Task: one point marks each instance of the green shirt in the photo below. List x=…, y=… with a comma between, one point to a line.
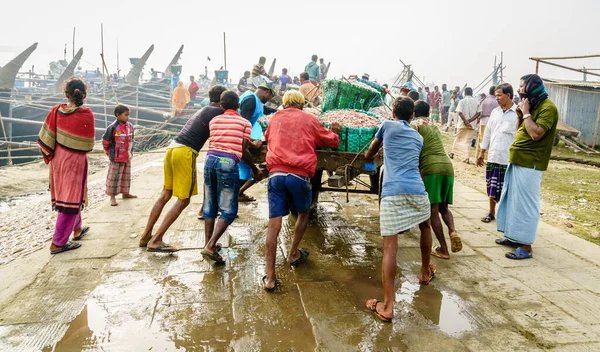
x=313, y=71
x=532, y=154
x=446, y=97
x=433, y=159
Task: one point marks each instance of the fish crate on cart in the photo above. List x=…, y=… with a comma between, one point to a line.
x=349, y=94
x=358, y=128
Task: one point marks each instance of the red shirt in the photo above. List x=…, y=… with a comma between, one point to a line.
x=293, y=137
x=193, y=89
x=227, y=133
x=434, y=98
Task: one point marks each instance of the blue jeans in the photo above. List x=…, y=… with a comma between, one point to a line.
x=288, y=191
x=221, y=188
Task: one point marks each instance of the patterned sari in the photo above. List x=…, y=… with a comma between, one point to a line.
x=65, y=138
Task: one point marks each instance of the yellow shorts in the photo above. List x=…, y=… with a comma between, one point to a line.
x=180, y=172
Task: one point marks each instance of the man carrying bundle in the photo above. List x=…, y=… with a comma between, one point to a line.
x=290, y=170
x=309, y=90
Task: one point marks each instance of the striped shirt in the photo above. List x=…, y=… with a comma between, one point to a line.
x=227, y=132
x=258, y=70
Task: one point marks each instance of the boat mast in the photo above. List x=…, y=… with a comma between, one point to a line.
x=103, y=72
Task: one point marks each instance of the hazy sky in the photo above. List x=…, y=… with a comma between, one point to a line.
x=450, y=42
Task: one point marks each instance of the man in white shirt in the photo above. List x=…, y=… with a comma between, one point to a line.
x=468, y=111
x=499, y=135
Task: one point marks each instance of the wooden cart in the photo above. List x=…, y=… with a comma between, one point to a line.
x=339, y=169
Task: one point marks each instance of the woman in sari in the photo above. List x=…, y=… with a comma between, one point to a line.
x=65, y=138
x=181, y=97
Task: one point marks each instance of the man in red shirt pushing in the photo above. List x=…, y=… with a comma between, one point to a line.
x=293, y=137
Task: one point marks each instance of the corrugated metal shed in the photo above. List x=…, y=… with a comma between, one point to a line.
x=577, y=103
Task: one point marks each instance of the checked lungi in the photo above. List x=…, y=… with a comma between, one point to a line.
x=402, y=212
x=494, y=178
x=118, y=179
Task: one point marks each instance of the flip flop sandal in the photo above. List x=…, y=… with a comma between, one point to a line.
x=163, y=248
x=372, y=306
x=519, y=254
x=488, y=218
x=213, y=256
x=272, y=288
x=303, y=256
x=455, y=243
x=432, y=270
x=66, y=247
x=435, y=253
x=83, y=232
x=506, y=242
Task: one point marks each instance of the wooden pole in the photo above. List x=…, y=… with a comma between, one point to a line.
x=103, y=75
x=537, y=67
x=565, y=67
x=225, y=50
x=565, y=57
x=501, y=67
x=6, y=139
x=596, y=129
x=73, y=41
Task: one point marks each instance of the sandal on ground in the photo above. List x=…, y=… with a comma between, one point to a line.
x=519, y=254
x=488, y=218
x=432, y=271
x=435, y=252
x=455, y=243
x=303, y=256
x=271, y=289
x=67, y=247
x=372, y=305
x=83, y=232
x=246, y=198
x=216, y=257
x=163, y=248
x=506, y=242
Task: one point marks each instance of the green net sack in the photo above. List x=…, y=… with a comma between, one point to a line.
x=348, y=95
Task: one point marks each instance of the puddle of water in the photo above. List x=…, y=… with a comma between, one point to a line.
x=446, y=310
x=88, y=329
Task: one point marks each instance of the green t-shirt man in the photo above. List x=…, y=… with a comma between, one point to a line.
x=433, y=160
x=532, y=154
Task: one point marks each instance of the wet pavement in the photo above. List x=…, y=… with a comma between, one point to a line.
x=110, y=295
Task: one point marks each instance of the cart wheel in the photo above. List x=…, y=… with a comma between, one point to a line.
x=556, y=140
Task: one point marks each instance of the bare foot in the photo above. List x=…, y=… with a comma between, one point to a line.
x=269, y=284
x=246, y=198
x=128, y=196
x=113, y=201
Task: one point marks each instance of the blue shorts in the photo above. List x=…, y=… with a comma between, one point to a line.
x=245, y=172
x=221, y=188
x=288, y=191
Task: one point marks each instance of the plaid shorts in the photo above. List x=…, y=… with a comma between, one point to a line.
x=402, y=212
x=118, y=180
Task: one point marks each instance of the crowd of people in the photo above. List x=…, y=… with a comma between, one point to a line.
x=417, y=187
